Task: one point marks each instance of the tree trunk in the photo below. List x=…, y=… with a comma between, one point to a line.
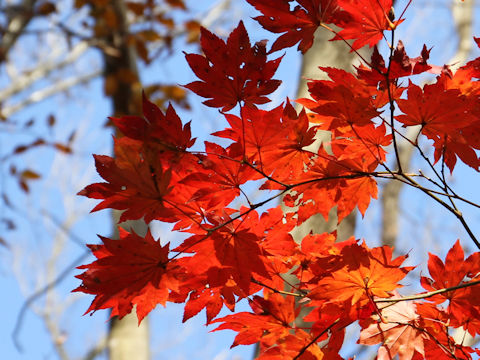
x=127, y=340
x=334, y=54
x=328, y=54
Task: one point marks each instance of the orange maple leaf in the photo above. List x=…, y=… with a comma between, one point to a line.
x=362, y=274
x=296, y=346
x=463, y=303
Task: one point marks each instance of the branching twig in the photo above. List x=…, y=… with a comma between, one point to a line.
x=277, y=291
x=392, y=105
x=97, y=349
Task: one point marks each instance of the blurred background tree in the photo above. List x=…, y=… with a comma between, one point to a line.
x=57, y=53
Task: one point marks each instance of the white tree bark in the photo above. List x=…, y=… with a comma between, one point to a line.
x=327, y=54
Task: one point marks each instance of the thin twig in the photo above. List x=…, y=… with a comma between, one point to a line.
x=392, y=109
x=346, y=42
x=275, y=290
x=428, y=294
x=315, y=339
x=39, y=293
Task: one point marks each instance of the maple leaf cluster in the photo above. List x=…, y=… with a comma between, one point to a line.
x=233, y=251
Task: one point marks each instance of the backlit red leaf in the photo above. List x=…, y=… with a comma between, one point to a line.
x=130, y=271
x=232, y=72
x=296, y=25
x=165, y=131
x=368, y=20
x=271, y=319
x=447, y=117
x=132, y=184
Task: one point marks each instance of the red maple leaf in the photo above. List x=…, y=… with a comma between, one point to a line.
x=274, y=140
x=436, y=109
x=447, y=117
x=256, y=131
x=165, y=132
x=400, y=65
x=463, y=142
x=298, y=24
x=274, y=227
x=272, y=319
x=368, y=19
x=230, y=252
x=342, y=101
x=458, y=145
x=130, y=271
x=232, y=72
x=331, y=182
x=210, y=298
x=218, y=178
x=371, y=144
x=204, y=299
x=149, y=160
x=132, y=184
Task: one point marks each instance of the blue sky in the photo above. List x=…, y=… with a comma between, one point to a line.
x=424, y=227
